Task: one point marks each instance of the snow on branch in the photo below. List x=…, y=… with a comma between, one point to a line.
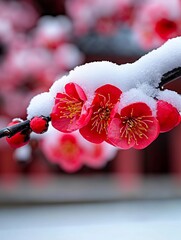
x=125, y=105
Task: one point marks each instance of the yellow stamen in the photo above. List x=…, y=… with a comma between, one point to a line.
x=101, y=117
x=135, y=127
x=71, y=109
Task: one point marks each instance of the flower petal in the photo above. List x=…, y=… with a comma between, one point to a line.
x=167, y=115
x=106, y=98
x=152, y=134
x=114, y=135
x=133, y=127
x=69, y=112
x=74, y=90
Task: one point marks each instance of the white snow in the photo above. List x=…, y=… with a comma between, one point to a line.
x=92, y=75
x=54, y=26
x=153, y=65
x=136, y=95
x=171, y=97
x=144, y=74
x=23, y=153
x=41, y=104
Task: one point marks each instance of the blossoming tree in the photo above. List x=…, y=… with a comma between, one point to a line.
x=123, y=105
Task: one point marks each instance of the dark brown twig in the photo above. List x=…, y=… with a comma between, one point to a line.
x=12, y=130
x=169, y=77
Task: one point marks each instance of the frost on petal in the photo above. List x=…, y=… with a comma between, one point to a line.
x=69, y=112
x=106, y=97
x=167, y=115
x=134, y=126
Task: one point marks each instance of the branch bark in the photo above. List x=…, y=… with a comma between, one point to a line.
x=12, y=130
x=170, y=76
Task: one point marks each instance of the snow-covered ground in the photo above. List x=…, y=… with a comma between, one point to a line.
x=128, y=220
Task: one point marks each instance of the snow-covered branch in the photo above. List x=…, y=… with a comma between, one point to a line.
x=124, y=105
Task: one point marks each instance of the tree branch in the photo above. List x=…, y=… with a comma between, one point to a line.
x=12, y=130
x=169, y=77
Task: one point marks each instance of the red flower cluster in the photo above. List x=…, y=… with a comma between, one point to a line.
x=103, y=117
x=134, y=125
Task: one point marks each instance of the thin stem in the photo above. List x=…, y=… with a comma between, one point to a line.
x=169, y=77
x=12, y=130
x=19, y=127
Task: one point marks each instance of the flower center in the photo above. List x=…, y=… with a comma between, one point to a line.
x=71, y=108
x=101, y=117
x=135, y=128
x=69, y=150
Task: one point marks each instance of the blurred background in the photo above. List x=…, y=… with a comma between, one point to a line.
x=40, y=41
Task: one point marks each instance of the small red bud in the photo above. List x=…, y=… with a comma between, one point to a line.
x=167, y=115
x=39, y=124
x=19, y=139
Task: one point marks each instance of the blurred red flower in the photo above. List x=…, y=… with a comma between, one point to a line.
x=19, y=139
x=71, y=151
x=65, y=151
x=156, y=22
x=166, y=28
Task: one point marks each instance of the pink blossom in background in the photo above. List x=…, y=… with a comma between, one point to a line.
x=71, y=151
x=25, y=73
x=99, y=154
x=51, y=32
x=95, y=15
x=156, y=22
x=21, y=15
x=68, y=56
x=6, y=31
x=29, y=63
